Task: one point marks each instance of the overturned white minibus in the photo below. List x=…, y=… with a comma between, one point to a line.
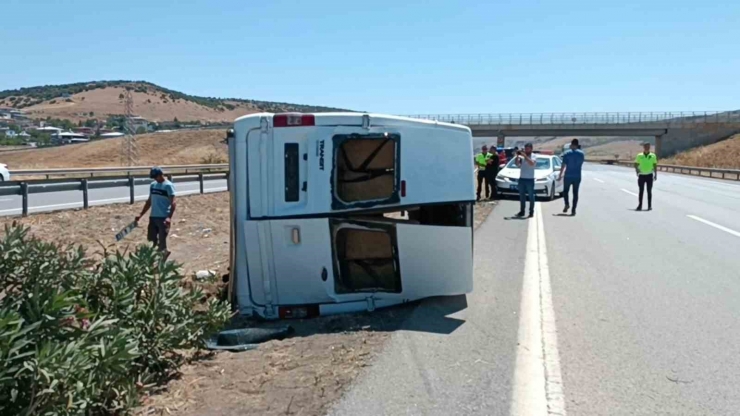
x=316, y=207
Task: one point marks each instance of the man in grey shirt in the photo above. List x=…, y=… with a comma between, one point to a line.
x=526, y=161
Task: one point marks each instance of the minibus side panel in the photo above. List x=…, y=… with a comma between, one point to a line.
x=261, y=172
x=304, y=269
x=312, y=166
x=435, y=260
x=436, y=165
x=258, y=237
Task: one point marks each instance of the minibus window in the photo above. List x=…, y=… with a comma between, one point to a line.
x=291, y=172
x=365, y=169
x=366, y=260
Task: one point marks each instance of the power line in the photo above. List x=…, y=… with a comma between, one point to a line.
x=129, y=148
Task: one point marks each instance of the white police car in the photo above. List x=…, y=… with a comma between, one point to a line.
x=546, y=177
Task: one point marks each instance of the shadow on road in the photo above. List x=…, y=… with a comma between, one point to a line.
x=432, y=315
x=524, y=218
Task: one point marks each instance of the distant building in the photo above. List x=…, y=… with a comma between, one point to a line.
x=18, y=115
x=9, y=133
x=68, y=137
x=49, y=130
x=111, y=135
x=88, y=131
x=138, y=123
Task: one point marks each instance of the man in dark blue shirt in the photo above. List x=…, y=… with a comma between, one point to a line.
x=572, y=163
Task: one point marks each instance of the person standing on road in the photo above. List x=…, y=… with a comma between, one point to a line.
x=572, y=163
x=481, y=162
x=646, y=166
x=526, y=162
x=492, y=172
x=162, y=202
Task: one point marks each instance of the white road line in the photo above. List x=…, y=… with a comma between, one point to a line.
x=598, y=180
x=717, y=226
x=629, y=192
x=538, y=386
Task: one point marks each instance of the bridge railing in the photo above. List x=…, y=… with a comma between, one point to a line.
x=717, y=173
x=680, y=118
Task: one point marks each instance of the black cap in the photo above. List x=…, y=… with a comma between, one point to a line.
x=574, y=142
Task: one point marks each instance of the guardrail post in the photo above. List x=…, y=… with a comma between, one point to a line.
x=131, y=184
x=24, y=193
x=85, y=199
x=228, y=180
x=200, y=180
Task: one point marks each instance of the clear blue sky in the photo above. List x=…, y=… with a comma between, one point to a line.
x=400, y=56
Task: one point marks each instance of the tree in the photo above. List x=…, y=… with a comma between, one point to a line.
x=92, y=114
x=91, y=122
x=141, y=130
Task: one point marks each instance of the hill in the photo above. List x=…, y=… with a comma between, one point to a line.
x=721, y=155
x=180, y=147
x=100, y=99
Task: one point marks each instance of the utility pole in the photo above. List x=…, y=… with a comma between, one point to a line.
x=129, y=148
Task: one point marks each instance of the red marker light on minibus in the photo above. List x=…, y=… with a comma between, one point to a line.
x=293, y=120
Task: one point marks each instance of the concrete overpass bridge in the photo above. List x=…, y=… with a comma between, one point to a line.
x=673, y=131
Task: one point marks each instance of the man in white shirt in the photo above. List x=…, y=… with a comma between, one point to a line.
x=526, y=162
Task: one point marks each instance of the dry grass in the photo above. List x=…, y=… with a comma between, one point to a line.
x=625, y=149
x=151, y=106
x=721, y=155
x=199, y=238
x=179, y=147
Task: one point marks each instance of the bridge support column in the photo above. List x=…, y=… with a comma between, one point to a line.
x=500, y=140
x=659, y=146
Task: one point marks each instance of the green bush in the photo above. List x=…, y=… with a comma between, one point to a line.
x=79, y=336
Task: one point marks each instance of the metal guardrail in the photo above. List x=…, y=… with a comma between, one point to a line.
x=679, y=118
x=729, y=174
x=125, y=170
x=25, y=188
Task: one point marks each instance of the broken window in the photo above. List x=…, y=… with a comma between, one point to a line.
x=365, y=169
x=366, y=259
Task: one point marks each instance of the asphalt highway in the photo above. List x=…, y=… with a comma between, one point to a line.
x=51, y=201
x=611, y=312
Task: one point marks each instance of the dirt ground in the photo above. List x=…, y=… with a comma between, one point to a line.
x=720, y=155
x=302, y=375
x=175, y=148
x=199, y=238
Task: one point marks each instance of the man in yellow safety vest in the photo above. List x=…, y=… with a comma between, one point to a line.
x=482, y=161
x=646, y=167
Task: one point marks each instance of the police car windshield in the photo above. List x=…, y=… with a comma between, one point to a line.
x=542, y=164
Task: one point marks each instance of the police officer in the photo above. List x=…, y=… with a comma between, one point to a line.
x=646, y=167
x=492, y=171
x=481, y=162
